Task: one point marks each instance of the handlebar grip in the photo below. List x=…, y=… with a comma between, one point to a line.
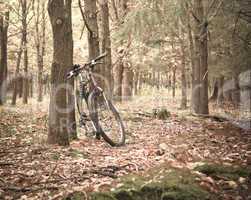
x=69, y=75
x=100, y=57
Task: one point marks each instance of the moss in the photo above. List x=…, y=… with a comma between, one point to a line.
x=162, y=113
x=158, y=184
x=228, y=172
x=188, y=192
x=123, y=195
x=152, y=191
x=76, y=196
x=75, y=153
x=102, y=196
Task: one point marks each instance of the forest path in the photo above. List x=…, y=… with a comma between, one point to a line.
x=30, y=167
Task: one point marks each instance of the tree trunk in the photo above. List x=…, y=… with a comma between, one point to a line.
x=17, y=75
x=119, y=68
x=4, y=24
x=174, y=81
x=136, y=82
x=200, y=90
x=24, y=35
x=72, y=128
x=31, y=87
x=106, y=47
x=127, y=84
x=236, y=91
x=192, y=54
x=183, y=104
x=40, y=46
x=60, y=17
x=183, y=78
x=118, y=77
x=220, y=97
x=93, y=34
x=140, y=82
x=215, y=90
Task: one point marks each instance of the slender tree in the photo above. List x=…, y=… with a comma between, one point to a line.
x=106, y=46
x=24, y=8
x=4, y=24
x=40, y=43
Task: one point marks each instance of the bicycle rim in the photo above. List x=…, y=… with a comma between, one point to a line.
x=108, y=120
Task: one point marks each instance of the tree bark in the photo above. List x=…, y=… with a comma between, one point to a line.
x=90, y=10
x=183, y=78
x=236, y=90
x=4, y=24
x=174, y=81
x=220, y=97
x=127, y=84
x=183, y=104
x=119, y=68
x=106, y=47
x=200, y=90
x=60, y=17
x=118, y=77
x=40, y=45
x=136, y=82
x=17, y=75
x=25, y=50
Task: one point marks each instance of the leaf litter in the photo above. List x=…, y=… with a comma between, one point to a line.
x=31, y=169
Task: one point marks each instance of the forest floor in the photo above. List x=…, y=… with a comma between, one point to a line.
x=31, y=169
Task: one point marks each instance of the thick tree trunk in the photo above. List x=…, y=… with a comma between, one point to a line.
x=60, y=17
x=106, y=47
x=4, y=24
x=72, y=128
x=119, y=68
x=200, y=90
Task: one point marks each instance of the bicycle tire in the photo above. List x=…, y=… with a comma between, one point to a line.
x=95, y=100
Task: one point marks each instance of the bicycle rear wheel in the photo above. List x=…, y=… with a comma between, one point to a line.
x=106, y=119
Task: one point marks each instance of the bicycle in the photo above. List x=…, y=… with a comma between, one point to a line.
x=99, y=117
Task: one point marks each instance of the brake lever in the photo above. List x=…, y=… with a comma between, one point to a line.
x=73, y=72
x=70, y=74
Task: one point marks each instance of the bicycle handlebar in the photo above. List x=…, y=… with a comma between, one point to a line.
x=77, y=68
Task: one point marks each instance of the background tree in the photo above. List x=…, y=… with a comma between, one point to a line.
x=106, y=46
x=4, y=24
x=39, y=37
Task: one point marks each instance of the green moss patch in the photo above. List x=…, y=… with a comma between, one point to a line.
x=158, y=184
x=222, y=171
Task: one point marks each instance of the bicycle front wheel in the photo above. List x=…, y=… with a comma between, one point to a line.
x=107, y=119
